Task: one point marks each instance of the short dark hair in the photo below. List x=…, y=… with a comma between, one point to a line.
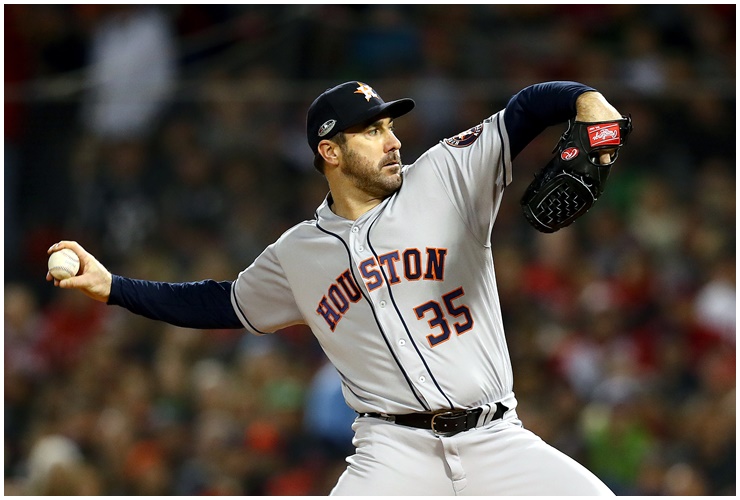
x=318, y=161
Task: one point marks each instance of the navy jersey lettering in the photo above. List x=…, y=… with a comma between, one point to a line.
x=340, y=301
x=369, y=271
x=331, y=316
x=412, y=264
x=345, y=291
x=388, y=260
x=435, y=264
x=348, y=284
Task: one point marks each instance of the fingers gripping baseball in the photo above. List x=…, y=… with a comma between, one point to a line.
x=92, y=279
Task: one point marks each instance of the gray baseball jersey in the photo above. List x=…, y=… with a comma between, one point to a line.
x=404, y=295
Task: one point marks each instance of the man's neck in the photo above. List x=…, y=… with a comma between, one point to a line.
x=352, y=208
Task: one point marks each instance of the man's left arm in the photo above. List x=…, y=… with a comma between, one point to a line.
x=575, y=177
x=534, y=108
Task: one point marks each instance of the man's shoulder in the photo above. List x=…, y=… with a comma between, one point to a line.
x=297, y=231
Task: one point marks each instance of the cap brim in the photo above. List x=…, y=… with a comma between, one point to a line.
x=392, y=109
x=397, y=108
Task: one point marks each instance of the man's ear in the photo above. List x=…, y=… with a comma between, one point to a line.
x=329, y=151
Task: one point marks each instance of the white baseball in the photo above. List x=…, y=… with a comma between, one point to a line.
x=63, y=264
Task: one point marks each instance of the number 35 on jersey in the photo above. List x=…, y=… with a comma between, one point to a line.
x=411, y=264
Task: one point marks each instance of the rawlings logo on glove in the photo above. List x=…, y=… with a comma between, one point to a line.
x=574, y=178
x=601, y=135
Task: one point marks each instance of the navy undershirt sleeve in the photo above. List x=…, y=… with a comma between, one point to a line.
x=537, y=107
x=201, y=304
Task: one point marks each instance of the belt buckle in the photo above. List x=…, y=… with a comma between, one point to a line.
x=451, y=414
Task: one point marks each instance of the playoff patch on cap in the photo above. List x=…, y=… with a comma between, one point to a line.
x=326, y=127
x=346, y=105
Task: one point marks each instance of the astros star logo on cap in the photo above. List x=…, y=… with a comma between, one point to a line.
x=367, y=90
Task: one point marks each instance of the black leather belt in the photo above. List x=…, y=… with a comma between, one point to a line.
x=444, y=423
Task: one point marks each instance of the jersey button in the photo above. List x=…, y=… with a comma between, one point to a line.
x=355, y=229
x=381, y=303
x=422, y=379
x=402, y=342
x=361, y=248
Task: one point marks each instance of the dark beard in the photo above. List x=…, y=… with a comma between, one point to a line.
x=369, y=178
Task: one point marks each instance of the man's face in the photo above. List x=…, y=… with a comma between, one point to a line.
x=371, y=157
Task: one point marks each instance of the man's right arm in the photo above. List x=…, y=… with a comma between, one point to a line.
x=202, y=304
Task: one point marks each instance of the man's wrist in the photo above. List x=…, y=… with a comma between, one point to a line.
x=114, y=293
x=591, y=106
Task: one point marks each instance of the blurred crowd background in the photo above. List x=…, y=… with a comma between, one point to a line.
x=169, y=141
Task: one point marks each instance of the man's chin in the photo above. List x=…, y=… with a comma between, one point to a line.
x=397, y=181
x=392, y=171
x=390, y=184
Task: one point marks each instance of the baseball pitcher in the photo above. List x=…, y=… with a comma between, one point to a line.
x=395, y=277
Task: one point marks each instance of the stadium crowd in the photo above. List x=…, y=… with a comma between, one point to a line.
x=169, y=141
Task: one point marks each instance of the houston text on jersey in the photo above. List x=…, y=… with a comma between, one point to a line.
x=411, y=264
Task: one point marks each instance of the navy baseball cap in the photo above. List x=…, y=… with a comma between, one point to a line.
x=346, y=105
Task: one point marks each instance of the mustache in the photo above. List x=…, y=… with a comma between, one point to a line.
x=392, y=157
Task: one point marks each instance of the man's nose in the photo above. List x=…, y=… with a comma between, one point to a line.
x=392, y=143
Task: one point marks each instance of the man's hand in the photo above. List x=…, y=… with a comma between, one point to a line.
x=593, y=107
x=575, y=176
x=92, y=279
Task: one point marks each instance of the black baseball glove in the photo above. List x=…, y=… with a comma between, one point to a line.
x=574, y=179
